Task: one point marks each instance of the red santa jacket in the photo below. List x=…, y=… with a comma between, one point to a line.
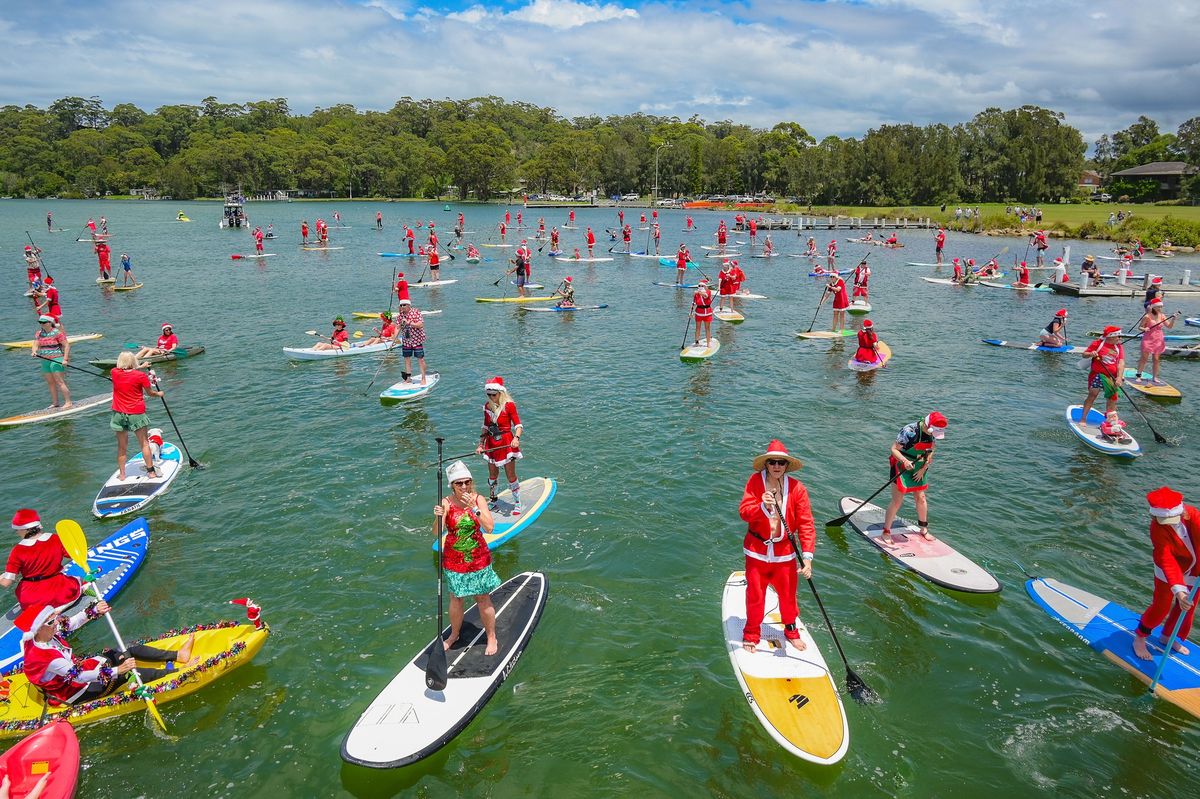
x=758, y=543
x=1175, y=548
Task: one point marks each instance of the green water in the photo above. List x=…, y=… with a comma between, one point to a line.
x=316, y=503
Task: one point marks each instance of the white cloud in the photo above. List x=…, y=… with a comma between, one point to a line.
x=563, y=14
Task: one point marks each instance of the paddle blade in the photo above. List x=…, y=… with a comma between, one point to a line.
x=73, y=540
x=436, y=670
x=152, y=706
x=858, y=688
x=838, y=522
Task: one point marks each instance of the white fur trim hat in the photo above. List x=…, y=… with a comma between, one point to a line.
x=1166, y=505
x=26, y=519
x=458, y=471
x=495, y=384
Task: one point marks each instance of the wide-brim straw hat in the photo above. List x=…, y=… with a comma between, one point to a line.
x=776, y=450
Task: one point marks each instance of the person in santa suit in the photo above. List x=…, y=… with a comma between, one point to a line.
x=38, y=560
x=909, y=460
x=500, y=439
x=66, y=679
x=702, y=307
x=409, y=238
x=837, y=288
x=1175, y=537
x=862, y=276
x=725, y=281
x=402, y=287
x=770, y=555
x=739, y=276
x=591, y=242
x=868, y=343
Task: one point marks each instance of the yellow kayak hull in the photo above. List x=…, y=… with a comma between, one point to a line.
x=218, y=650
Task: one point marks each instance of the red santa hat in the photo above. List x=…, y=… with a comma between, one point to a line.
x=1166, y=505
x=31, y=619
x=868, y=323
x=777, y=451
x=26, y=519
x=495, y=384
x=1061, y=312
x=1111, y=330
x=936, y=423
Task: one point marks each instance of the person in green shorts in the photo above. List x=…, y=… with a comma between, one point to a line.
x=50, y=342
x=465, y=554
x=129, y=411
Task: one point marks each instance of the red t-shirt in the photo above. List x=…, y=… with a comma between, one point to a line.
x=1110, y=355
x=127, y=390
x=168, y=342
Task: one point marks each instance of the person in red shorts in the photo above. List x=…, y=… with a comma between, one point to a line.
x=862, y=276
x=38, y=560
x=129, y=411
x=770, y=556
x=1175, y=538
x=702, y=305
x=841, y=301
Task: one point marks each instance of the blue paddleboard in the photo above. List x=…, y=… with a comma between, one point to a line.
x=116, y=558
x=1108, y=628
x=536, y=495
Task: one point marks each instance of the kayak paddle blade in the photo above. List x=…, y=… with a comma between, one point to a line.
x=73, y=540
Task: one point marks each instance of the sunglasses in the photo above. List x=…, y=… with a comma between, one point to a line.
x=774, y=462
x=466, y=482
x=493, y=393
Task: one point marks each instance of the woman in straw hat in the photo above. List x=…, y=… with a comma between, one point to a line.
x=465, y=554
x=770, y=555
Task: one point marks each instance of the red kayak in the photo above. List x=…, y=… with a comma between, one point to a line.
x=54, y=749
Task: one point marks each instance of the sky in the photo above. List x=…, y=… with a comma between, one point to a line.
x=837, y=67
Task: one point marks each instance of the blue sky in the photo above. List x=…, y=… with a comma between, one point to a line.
x=837, y=67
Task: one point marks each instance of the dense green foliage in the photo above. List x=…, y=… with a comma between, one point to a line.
x=1142, y=143
x=484, y=147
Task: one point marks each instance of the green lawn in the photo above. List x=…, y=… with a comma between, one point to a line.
x=1066, y=214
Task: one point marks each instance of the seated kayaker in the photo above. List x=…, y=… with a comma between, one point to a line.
x=892, y=241
x=38, y=560
x=181, y=215
x=1023, y=276
x=51, y=666
x=868, y=344
x=339, y=340
x=166, y=342
x=1055, y=333
x=567, y=291
x=385, y=333
x=472, y=251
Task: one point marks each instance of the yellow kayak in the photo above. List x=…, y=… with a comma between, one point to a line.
x=518, y=299
x=28, y=343
x=182, y=219
x=218, y=649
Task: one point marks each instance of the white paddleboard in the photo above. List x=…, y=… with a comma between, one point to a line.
x=429, y=283
x=408, y=721
x=50, y=414
x=121, y=497
x=935, y=560
x=791, y=691
x=859, y=308
x=310, y=354
x=729, y=315
x=694, y=353
x=1089, y=433
x=410, y=389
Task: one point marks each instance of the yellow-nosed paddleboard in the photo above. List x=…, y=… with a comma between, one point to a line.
x=134, y=287
x=28, y=343
x=517, y=299
x=1164, y=392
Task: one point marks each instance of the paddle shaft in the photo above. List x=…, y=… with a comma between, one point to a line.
x=192, y=462
x=1147, y=330
x=1158, y=437
x=839, y=521
x=39, y=255
x=687, y=325
x=76, y=368
x=435, y=668
x=1162, y=664
x=473, y=452
x=818, y=311
x=854, y=684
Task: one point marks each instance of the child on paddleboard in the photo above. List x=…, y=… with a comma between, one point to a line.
x=566, y=290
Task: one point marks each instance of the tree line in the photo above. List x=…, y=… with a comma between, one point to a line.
x=1143, y=143
x=485, y=147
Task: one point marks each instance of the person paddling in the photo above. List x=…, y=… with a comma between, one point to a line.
x=591, y=243
x=412, y=343
x=167, y=342
x=38, y=560
x=64, y=679
x=868, y=344
x=127, y=276
x=771, y=559
x=1175, y=540
x=338, y=340
x=837, y=287
x=1055, y=333
x=939, y=242
x=682, y=256
x=386, y=331
x=33, y=264
x=861, y=277
x=500, y=439
x=566, y=290
x=304, y=232
x=465, y=517
x=1107, y=372
x=909, y=460
x=50, y=342
x=702, y=305
x=129, y=411
x=1023, y=277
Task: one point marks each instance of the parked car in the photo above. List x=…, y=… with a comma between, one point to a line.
x=629, y=197
x=1104, y=197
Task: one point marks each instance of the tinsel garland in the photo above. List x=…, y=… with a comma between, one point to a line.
x=126, y=696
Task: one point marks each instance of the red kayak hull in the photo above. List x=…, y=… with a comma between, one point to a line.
x=53, y=748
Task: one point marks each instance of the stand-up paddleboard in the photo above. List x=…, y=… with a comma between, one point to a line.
x=101, y=281
x=1066, y=348
x=28, y=343
x=729, y=315
x=630, y=254
x=945, y=281
x=695, y=353
x=643, y=255
x=369, y=315
x=859, y=308
x=678, y=285
x=410, y=389
x=400, y=255
x=473, y=260
x=826, y=334
x=174, y=355
x=791, y=691
x=536, y=495
x=50, y=414
x=116, y=559
x=922, y=263
x=1162, y=391
x=728, y=249
x=935, y=560
x=745, y=294
x=134, y=287
x=429, y=283
x=566, y=309
x=1138, y=335
x=575, y=260
x=672, y=263
x=1089, y=433
x=1034, y=287
x=50, y=754
x=310, y=354
x=321, y=249
x=240, y=257
x=529, y=286
x=1108, y=628
x=885, y=355
x=766, y=255
x=830, y=272
x=408, y=721
x=518, y=299
x=121, y=497
x=1194, y=321
x=500, y=246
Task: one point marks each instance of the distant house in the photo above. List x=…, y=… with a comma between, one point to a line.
x=1167, y=174
x=144, y=193
x=1090, y=181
